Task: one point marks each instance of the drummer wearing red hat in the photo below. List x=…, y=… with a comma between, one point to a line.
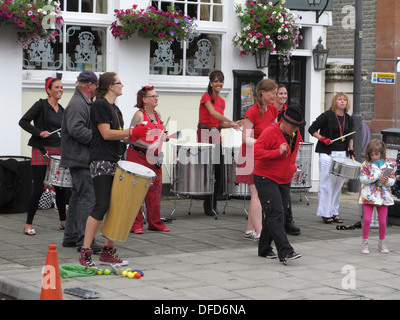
x=276, y=151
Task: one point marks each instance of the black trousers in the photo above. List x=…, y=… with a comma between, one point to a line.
x=274, y=199
x=38, y=176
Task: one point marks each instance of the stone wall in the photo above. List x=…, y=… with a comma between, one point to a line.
x=340, y=41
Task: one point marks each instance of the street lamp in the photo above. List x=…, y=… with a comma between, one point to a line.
x=315, y=3
x=320, y=55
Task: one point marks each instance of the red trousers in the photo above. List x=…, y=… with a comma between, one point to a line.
x=153, y=196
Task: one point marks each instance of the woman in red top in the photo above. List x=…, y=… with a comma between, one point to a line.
x=275, y=151
x=258, y=117
x=211, y=120
x=280, y=101
x=144, y=150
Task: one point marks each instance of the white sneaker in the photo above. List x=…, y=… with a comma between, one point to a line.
x=364, y=246
x=382, y=248
x=251, y=235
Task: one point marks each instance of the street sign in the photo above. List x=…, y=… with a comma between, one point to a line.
x=383, y=78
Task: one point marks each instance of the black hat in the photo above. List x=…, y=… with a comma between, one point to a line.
x=293, y=115
x=87, y=76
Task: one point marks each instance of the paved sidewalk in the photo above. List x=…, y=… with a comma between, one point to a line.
x=202, y=258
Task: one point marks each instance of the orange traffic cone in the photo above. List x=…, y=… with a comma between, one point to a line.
x=51, y=284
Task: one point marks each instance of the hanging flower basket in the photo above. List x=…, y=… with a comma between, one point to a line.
x=34, y=20
x=266, y=28
x=157, y=25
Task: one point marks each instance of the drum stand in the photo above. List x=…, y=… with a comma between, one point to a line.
x=177, y=196
x=244, y=205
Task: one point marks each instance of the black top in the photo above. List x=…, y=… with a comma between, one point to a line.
x=109, y=150
x=44, y=118
x=328, y=125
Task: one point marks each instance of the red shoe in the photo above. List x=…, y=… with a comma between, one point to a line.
x=138, y=231
x=165, y=229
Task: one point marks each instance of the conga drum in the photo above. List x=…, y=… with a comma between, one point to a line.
x=130, y=185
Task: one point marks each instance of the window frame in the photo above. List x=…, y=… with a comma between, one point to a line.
x=180, y=83
x=34, y=78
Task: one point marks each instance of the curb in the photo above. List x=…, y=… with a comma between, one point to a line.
x=18, y=290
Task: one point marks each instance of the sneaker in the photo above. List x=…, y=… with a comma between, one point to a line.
x=109, y=257
x=85, y=258
x=271, y=255
x=382, y=248
x=251, y=235
x=293, y=256
x=364, y=246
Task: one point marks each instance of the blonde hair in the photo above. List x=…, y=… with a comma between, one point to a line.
x=377, y=146
x=337, y=96
x=265, y=85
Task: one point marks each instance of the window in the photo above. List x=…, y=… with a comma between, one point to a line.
x=85, y=48
x=80, y=45
x=89, y=6
x=202, y=10
x=194, y=57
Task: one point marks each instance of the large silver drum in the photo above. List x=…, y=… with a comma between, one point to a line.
x=193, y=172
x=346, y=168
x=230, y=163
x=302, y=177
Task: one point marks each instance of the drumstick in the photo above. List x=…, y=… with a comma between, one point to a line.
x=342, y=136
x=163, y=133
x=55, y=131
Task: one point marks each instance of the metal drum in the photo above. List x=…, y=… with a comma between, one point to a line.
x=193, y=172
x=346, y=168
x=230, y=162
x=302, y=177
x=56, y=175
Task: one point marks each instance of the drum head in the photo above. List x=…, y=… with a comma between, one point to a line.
x=136, y=169
x=347, y=162
x=194, y=144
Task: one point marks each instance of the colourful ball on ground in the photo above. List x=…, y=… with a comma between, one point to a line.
x=124, y=273
x=138, y=275
x=130, y=275
x=99, y=272
x=107, y=272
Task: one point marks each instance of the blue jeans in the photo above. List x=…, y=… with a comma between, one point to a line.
x=275, y=201
x=80, y=205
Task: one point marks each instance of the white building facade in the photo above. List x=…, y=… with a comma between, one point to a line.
x=180, y=80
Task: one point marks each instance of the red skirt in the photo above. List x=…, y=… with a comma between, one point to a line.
x=39, y=159
x=245, y=166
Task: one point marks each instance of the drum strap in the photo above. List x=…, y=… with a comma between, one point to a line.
x=137, y=149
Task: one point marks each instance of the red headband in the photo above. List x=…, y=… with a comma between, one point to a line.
x=48, y=83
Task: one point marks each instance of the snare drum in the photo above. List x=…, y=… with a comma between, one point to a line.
x=346, y=168
x=56, y=175
x=130, y=185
